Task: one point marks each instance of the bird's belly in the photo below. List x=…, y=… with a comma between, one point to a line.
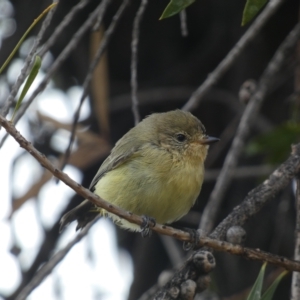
x=164, y=193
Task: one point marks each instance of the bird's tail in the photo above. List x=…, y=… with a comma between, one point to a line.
x=83, y=214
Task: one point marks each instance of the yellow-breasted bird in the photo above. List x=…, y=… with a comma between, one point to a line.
x=156, y=169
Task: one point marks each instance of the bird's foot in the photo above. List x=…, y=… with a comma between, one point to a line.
x=195, y=236
x=148, y=222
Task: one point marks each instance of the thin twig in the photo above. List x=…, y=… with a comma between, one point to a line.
x=58, y=62
x=295, y=293
x=295, y=287
x=47, y=268
x=106, y=38
x=260, y=195
x=183, y=23
x=234, y=54
x=225, y=177
x=28, y=63
x=98, y=22
x=61, y=27
x=134, y=60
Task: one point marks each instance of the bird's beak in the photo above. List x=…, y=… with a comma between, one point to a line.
x=207, y=140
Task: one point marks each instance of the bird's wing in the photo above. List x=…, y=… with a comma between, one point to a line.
x=114, y=160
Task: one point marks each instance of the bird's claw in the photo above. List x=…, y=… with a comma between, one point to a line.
x=195, y=236
x=148, y=223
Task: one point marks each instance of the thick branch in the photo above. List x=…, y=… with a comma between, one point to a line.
x=255, y=200
x=261, y=195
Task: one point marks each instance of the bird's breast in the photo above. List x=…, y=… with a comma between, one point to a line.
x=157, y=184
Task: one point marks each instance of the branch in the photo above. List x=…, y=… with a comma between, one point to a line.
x=261, y=195
x=233, y=55
x=191, y=280
x=253, y=202
x=134, y=59
x=224, y=180
x=61, y=27
x=183, y=23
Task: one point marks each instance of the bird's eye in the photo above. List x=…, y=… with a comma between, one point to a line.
x=180, y=137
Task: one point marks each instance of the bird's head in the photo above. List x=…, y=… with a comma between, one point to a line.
x=181, y=132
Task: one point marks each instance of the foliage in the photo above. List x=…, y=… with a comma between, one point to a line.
x=174, y=7
x=255, y=293
x=34, y=71
x=36, y=65
x=252, y=8
x=277, y=143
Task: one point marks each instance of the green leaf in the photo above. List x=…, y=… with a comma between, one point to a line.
x=276, y=144
x=34, y=71
x=255, y=293
x=268, y=295
x=174, y=7
x=252, y=8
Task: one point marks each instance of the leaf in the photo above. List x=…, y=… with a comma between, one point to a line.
x=276, y=144
x=252, y=8
x=174, y=7
x=255, y=293
x=25, y=35
x=34, y=71
x=268, y=295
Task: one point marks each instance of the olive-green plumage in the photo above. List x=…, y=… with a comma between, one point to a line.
x=155, y=169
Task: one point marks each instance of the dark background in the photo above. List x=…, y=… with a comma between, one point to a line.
x=170, y=68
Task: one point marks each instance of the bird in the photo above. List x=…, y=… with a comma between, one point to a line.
x=155, y=170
